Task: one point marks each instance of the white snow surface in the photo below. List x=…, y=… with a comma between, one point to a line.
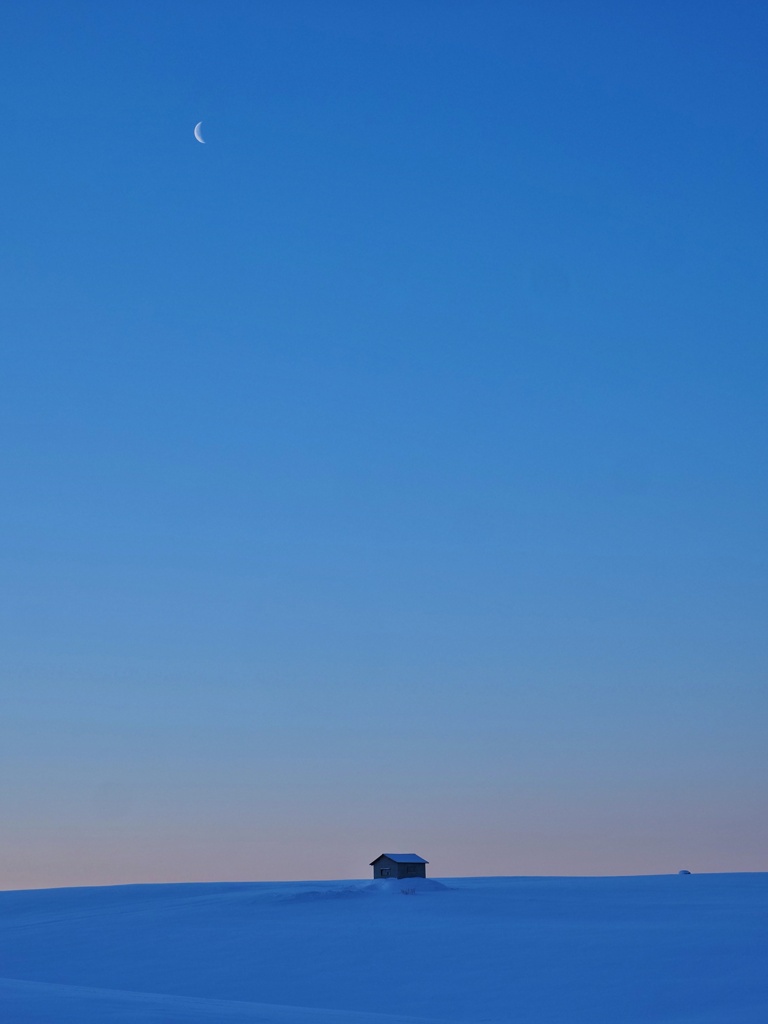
x=639, y=950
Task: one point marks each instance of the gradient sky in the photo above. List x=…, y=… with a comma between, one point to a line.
x=389, y=472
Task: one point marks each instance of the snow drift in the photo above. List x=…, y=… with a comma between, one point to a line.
x=647, y=950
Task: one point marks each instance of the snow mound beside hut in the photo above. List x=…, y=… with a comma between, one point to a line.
x=403, y=886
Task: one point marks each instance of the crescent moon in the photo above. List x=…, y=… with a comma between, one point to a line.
x=198, y=133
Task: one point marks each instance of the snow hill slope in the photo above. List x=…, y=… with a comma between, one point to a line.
x=643, y=950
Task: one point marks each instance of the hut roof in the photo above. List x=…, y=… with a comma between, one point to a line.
x=402, y=858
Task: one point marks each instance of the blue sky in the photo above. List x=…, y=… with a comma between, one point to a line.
x=389, y=471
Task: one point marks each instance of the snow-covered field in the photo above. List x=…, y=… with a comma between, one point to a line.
x=662, y=949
